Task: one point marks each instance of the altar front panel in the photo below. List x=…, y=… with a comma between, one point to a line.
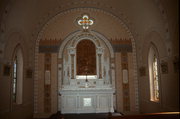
x=86, y=101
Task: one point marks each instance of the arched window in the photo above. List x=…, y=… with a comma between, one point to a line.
x=14, y=79
x=153, y=74
x=17, y=82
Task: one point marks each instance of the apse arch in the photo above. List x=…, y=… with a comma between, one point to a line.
x=97, y=35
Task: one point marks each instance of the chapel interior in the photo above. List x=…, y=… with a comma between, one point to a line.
x=65, y=58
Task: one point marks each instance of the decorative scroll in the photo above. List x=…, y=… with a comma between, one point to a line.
x=86, y=58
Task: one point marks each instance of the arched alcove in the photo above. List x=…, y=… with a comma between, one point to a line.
x=86, y=58
x=103, y=52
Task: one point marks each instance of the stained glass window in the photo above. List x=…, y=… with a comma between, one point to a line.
x=153, y=75
x=14, y=79
x=155, y=79
x=17, y=77
x=85, y=22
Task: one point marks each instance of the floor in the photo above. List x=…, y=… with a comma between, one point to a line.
x=83, y=116
x=114, y=116
x=86, y=116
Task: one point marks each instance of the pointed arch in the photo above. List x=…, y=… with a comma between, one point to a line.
x=154, y=74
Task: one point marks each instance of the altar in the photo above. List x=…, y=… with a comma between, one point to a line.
x=87, y=100
x=86, y=75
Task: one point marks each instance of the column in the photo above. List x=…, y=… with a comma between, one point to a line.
x=72, y=66
x=100, y=66
x=72, y=62
x=99, y=54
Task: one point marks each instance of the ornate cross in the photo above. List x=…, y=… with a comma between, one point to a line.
x=85, y=22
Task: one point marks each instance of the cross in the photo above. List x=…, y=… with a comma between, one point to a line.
x=85, y=22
